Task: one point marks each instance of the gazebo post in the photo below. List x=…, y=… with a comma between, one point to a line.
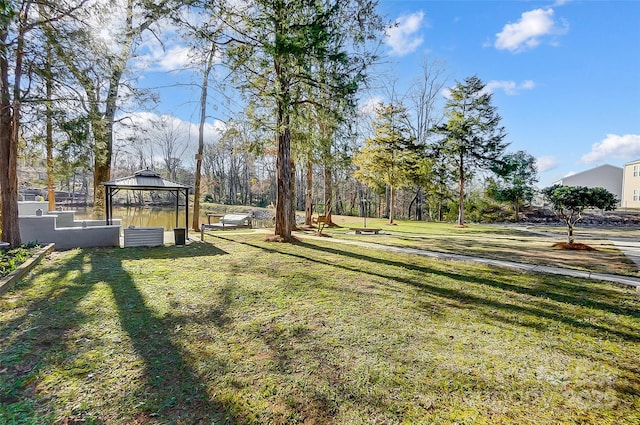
x=177, y=205
x=186, y=210
x=107, y=205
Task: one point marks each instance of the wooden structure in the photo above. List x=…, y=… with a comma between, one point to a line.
x=321, y=219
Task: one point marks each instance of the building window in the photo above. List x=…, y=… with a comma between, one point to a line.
x=636, y=195
x=636, y=170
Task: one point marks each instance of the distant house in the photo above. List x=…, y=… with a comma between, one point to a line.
x=631, y=185
x=606, y=176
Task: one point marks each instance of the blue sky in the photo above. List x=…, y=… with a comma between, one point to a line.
x=565, y=75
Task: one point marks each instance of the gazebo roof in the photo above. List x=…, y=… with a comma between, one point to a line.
x=145, y=180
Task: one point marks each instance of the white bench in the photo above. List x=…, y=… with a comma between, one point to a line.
x=229, y=221
x=236, y=220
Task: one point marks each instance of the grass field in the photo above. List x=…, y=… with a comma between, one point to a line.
x=238, y=330
x=530, y=246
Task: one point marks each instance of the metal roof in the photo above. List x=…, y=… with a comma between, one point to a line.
x=145, y=180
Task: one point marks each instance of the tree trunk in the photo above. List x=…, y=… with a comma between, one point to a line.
x=419, y=203
x=461, y=181
x=328, y=192
x=411, y=207
x=195, y=225
x=570, y=238
x=308, y=199
x=392, y=202
x=51, y=193
x=101, y=173
x=387, y=202
x=8, y=167
x=283, y=223
x=292, y=183
x=9, y=123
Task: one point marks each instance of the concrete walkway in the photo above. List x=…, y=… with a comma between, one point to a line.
x=630, y=248
x=627, y=246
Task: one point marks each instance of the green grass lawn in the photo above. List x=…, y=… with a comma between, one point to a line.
x=500, y=242
x=238, y=330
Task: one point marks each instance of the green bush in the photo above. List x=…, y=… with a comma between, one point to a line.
x=479, y=209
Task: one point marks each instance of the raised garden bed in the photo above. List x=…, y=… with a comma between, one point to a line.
x=15, y=263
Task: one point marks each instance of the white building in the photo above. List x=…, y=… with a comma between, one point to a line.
x=631, y=185
x=605, y=176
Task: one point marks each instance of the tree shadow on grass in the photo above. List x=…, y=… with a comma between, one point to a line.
x=42, y=340
x=29, y=340
x=173, y=392
x=193, y=249
x=581, y=297
x=552, y=287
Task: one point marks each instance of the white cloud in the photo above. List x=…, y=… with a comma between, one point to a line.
x=546, y=163
x=528, y=31
x=403, y=37
x=370, y=105
x=511, y=88
x=159, y=58
x=614, y=146
x=178, y=57
x=144, y=132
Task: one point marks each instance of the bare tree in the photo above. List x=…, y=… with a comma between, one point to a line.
x=425, y=114
x=170, y=138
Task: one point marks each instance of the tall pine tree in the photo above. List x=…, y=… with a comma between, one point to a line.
x=283, y=46
x=390, y=157
x=472, y=137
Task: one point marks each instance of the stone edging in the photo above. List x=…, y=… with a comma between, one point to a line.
x=24, y=268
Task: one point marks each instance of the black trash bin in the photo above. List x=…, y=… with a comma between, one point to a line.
x=180, y=234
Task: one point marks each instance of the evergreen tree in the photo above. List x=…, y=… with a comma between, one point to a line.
x=391, y=156
x=472, y=136
x=284, y=46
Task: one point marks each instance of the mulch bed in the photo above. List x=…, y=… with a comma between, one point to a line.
x=573, y=246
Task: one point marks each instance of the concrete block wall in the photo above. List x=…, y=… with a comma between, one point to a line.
x=44, y=230
x=30, y=207
x=67, y=219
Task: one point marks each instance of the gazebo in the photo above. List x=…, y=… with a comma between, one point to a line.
x=146, y=180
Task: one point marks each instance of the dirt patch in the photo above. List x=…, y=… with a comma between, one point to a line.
x=573, y=246
x=278, y=238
